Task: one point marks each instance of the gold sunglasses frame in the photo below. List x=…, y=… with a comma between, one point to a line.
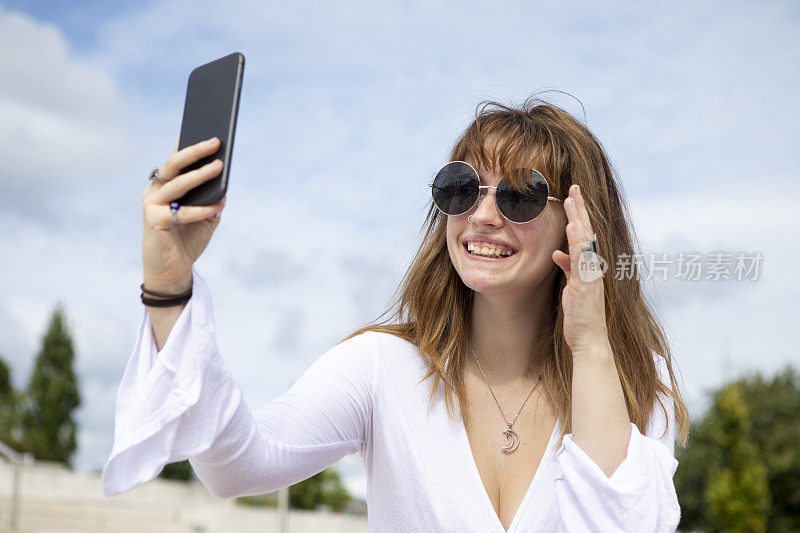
x=482, y=193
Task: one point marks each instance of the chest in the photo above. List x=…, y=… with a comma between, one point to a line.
x=506, y=476
x=423, y=473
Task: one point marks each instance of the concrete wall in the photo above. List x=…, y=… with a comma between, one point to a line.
x=54, y=498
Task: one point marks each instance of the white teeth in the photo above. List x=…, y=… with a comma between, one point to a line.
x=489, y=252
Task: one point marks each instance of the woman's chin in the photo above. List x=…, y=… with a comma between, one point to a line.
x=498, y=284
x=487, y=283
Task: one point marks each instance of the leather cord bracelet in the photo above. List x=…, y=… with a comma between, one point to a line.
x=163, y=299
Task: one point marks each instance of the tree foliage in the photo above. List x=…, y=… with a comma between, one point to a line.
x=10, y=429
x=180, y=471
x=325, y=488
x=737, y=493
x=322, y=489
x=5, y=379
x=741, y=469
x=52, y=396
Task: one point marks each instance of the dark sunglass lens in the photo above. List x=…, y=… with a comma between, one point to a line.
x=455, y=188
x=523, y=206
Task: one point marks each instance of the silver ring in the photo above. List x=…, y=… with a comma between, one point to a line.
x=469, y=218
x=173, y=207
x=594, y=246
x=154, y=177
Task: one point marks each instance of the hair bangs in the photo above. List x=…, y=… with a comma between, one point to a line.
x=510, y=144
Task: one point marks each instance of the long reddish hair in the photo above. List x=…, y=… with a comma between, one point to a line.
x=433, y=306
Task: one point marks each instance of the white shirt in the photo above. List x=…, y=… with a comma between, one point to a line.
x=362, y=396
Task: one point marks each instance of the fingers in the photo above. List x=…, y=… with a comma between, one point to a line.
x=575, y=208
x=183, y=158
x=579, y=232
x=589, y=266
x=180, y=185
x=179, y=160
x=576, y=242
x=160, y=216
x=583, y=213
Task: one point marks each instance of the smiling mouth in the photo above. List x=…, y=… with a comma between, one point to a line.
x=487, y=253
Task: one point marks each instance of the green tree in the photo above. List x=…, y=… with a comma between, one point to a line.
x=10, y=430
x=737, y=493
x=5, y=379
x=773, y=408
x=324, y=488
x=49, y=428
x=181, y=471
x=694, y=463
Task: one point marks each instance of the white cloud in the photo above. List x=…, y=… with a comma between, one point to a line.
x=721, y=329
x=60, y=126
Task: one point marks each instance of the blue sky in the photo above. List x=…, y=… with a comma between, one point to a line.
x=347, y=109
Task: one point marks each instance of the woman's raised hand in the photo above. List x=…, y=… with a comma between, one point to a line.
x=169, y=250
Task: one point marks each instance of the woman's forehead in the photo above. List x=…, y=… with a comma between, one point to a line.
x=515, y=169
x=502, y=156
x=501, y=168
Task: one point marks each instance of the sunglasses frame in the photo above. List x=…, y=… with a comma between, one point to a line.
x=481, y=193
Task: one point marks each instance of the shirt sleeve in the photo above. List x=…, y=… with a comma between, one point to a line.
x=639, y=495
x=182, y=403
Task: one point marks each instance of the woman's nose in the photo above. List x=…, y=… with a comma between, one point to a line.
x=486, y=212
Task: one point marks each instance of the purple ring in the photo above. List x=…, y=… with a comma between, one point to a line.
x=174, y=206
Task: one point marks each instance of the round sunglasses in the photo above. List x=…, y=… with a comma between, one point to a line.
x=457, y=188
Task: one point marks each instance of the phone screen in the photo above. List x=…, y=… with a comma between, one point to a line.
x=212, y=103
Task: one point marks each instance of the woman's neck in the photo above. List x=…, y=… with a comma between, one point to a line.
x=504, y=332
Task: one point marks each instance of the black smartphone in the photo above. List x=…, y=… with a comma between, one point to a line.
x=212, y=103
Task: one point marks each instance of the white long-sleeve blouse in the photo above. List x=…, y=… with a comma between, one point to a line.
x=363, y=396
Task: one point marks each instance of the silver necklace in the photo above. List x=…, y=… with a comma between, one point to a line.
x=512, y=439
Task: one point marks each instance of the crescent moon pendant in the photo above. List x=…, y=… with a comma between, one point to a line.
x=512, y=441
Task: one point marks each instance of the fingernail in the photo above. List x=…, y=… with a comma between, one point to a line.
x=211, y=141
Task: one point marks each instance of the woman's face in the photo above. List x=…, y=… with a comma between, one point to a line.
x=532, y=245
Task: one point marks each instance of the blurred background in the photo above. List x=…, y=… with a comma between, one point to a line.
x=347, y=110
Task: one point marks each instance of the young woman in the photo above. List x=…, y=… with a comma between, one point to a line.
x=516, y=387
